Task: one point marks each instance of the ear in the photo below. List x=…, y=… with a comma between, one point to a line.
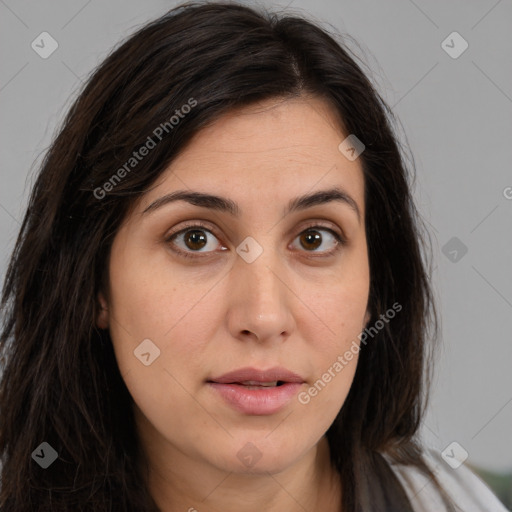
x=102, y=320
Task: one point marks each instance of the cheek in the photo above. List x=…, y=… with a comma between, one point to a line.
x=151, y=299
x=175, y=334
x=333, y=329
x=148, y=302
x=334, y=358
x=165, y=391
x=337, y=311
x=324, y=397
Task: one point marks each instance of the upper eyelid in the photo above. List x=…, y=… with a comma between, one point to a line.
x=192, y=225
x=210, y=227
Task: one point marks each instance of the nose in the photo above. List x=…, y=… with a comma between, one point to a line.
x=260, y=300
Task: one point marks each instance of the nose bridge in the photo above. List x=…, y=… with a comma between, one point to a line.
x=260, y=300
x=262, y=285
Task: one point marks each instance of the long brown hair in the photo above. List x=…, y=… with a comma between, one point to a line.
x=60, y=381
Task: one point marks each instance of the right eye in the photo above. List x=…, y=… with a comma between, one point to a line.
x=195, y=238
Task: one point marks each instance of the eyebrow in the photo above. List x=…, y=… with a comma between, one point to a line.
x=223, y=204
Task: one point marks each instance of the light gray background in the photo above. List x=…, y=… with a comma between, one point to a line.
x=457, y=114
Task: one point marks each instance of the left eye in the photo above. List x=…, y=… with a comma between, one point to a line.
x=312, y=238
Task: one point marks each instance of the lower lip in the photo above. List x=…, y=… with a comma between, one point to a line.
x=264, y=401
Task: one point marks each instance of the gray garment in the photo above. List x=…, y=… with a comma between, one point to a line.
x=467, y=491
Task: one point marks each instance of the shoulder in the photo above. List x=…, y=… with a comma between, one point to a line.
x=467, y=491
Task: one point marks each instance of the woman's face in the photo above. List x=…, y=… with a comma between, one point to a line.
x=261, y=284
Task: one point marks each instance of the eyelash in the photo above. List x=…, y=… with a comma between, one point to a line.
x=198, y=224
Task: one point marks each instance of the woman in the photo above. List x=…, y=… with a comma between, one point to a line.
x=217, y=300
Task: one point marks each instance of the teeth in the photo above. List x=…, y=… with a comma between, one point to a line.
x=259, y=384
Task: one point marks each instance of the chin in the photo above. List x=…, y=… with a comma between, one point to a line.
x=259, y=455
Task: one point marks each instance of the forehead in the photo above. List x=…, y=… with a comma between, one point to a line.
x=274, y=149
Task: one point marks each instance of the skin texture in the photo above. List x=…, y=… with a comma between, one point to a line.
x=215, y=313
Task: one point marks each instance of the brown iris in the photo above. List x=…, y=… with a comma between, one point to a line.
x=310, y=239
x=195, y=239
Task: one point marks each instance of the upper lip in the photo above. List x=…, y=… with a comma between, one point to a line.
x=252, y=374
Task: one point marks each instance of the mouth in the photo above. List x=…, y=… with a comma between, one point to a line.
x=260, y=378
x=257, y=392
x=254, y=384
